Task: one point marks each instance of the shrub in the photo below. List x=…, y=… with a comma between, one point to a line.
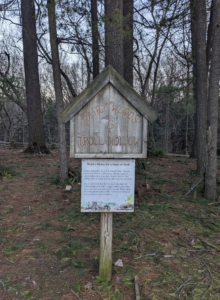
x=157, y=153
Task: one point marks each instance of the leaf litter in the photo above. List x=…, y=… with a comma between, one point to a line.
x=171, y=242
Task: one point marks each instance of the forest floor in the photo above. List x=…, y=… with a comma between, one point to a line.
x=48, y=247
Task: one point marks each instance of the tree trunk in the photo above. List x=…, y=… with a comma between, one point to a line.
x=95, y=39
x=187, y=100
x=34, y=111
x=209, y=38
x=193, y=40
x=152, y=139
x=128, y=40
x=201, y=84
x=58, y=89
x=114, y=35
x=166, y=134
x=212, y=120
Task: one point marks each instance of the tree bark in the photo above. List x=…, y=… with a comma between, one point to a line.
x=95, y=39
x=209, y=38
x=114, y=35
x=193, y=42
x=212, y=120
x=34, y=111
x=187, y=100
x=167, y=131
x=69, y=84
x=58, y=90
x=128, y=40
x=201, y=84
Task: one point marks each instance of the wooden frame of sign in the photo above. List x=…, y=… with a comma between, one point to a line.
x=108, y=120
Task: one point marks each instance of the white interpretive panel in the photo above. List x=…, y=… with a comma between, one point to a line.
x=107, y=185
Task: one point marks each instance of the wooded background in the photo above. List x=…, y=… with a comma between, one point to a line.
x=162, y=65
x=167, y=50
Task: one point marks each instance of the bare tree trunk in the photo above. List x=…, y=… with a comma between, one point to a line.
x=211, y=147
x=166, y=135
x=23, y=132
x=58, y=89
x=201, y=84
x=128, y=40
x=187, y=117
x=34, y=111
x=114, y=35
x=187, y=126
x=95, y=39
x=193, y=37
x=209, y=38
x=151, y=131
x=69, y=84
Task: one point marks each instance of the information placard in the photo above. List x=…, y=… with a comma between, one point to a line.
x=107, y=185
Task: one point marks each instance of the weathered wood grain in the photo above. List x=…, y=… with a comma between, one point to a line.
x=108, y=124
x=72, y=146
x=118, y=122
x=98, y=123
x=108, y=155
x=137, y=288
x=145, y=135
x=135, y=131
x=82, y=130
x=105, y=257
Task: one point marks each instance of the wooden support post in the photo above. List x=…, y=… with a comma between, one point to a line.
x=105, y=259
x=137, y=288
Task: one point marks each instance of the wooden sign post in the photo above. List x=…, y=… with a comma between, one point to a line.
x=105, y=256
x=108, y=120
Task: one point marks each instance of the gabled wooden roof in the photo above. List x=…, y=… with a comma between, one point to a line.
x=109, y=74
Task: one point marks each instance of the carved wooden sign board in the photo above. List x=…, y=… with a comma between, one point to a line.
x=108, y=119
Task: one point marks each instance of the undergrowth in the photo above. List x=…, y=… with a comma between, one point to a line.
x=74, y=176
x=6, y=172
x=158, y=153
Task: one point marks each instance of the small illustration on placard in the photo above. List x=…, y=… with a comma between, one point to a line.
x=97, y=206
x=129, y=204
x=100, y=206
